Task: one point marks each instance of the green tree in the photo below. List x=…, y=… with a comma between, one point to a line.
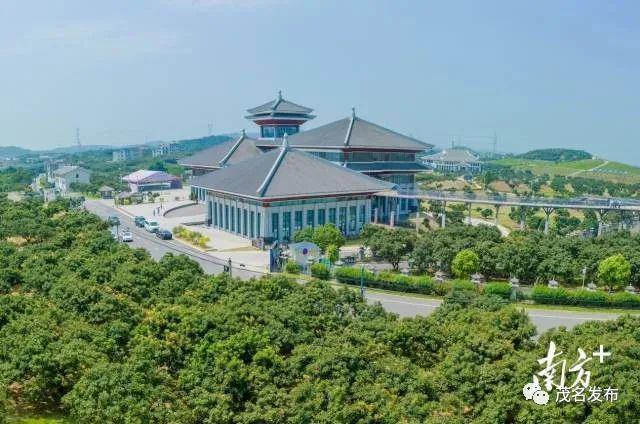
x=614, y=271
x=333, y=253
x=465, y=263
x=392, y=245
x=328, y=234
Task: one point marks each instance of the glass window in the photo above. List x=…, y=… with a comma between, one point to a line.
x=220, y=215
x=268, y=132
x=275, y=225
x=352, y=218
x=363, y=212
x=226, y=217
x=343, y=220
x=238, y=213
x=332, y=216
x=214, y=211
x=311, y=215
x=286, y=225
x=244, y=222
x=233, y=220
x=252, y=218
x=258, y=222
x=298, y=221
x=321, y=217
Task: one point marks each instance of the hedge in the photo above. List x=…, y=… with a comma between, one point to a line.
x=320, y=271
x=498, y=289
x=390, y=281
x=292, y=267
x=561, y=296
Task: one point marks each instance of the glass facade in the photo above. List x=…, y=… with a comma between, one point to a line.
x=330, y=156
x=342, y=223
x=277, y=131
x=252, y=219
x=244, y=222
x=275, y=225
x=332, y=216
x=363, y=213
x=215, y=214
x=311, y=215
x=238, y=210
x=226, y=217
x=258, y=223
x=321, y=217
x=380, y=157
x=286, y=225
x=297, y=225
x=233, y=219
x=352, y=218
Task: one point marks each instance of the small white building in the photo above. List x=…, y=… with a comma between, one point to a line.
x=64, y=176
x=127, y=153
x=454, y=160
x=165, y=149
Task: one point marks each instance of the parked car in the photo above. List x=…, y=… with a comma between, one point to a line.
x=164, y=234
x=139, y=221
x=113, y=220
x=151, y=226
x=126, y=236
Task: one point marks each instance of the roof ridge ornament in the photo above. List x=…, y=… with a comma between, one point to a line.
x=223, y=161
x=285, y=142
x=274, y=168
x=350, y=128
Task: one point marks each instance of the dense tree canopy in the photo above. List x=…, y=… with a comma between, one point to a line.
x=106, y=335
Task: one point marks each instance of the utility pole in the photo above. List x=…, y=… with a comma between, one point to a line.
x=362, y=281
x=495, y=143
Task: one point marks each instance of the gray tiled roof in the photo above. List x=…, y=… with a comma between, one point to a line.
x=362, y=133
x=64, y=170
x=279, y=105
x=453, y=155
x=386, y=166
x=211, y=157
x=295, y=174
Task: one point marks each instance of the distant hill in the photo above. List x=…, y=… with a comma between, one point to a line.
x=556, y=155
x=13, y=152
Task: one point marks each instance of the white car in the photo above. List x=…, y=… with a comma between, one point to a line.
x=126, y=236
x=151, y=226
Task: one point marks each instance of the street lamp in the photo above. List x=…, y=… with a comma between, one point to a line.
x=362, y=281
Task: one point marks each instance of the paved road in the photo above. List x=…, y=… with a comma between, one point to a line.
x=404, y=306
x=158, y=248
x=543, y=319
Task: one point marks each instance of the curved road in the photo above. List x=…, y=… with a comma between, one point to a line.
x=403, y=305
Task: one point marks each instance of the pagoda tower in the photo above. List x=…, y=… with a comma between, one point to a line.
x=279, y=117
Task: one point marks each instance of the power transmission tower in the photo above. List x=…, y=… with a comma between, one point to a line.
x=78, y=139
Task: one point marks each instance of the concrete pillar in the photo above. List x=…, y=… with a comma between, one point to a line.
x=547, y=212
x=375, y=215
x=600, y=215
x=443, y=217
x=469, y=212
x=392, y=216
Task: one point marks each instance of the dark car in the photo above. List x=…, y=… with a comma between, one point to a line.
x=113, y=220
x=139, y=221
x=164, y=234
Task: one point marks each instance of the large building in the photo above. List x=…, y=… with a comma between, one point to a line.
x=337, y=158
x=454, y=160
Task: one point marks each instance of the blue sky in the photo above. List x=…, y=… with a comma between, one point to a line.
x=540, y=74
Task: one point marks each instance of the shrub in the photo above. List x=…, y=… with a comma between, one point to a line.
x=462, y=285
x=292, y=267
x=545, y=295
x=320, y=271
x=498, y=289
